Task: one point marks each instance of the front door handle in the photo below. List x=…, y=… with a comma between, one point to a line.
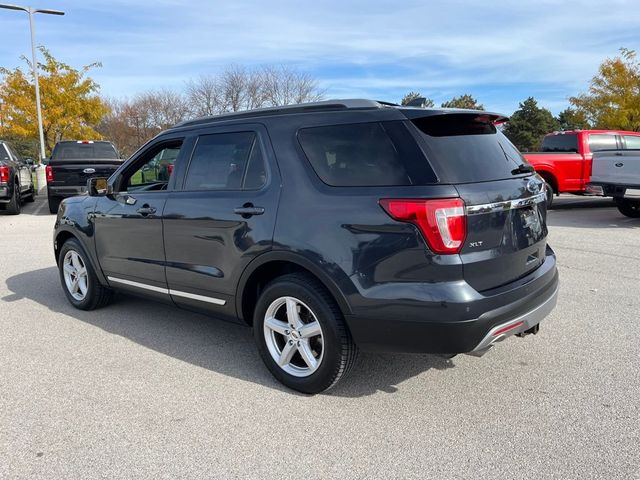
x=146, y=210
x=248, y=210
x=618, y=154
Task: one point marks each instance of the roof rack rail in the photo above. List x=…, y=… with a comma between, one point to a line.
x=327, y=105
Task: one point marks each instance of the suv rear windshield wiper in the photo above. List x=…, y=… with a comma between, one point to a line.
x=523, y=168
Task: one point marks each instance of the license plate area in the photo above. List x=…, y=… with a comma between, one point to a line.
x=531, y=221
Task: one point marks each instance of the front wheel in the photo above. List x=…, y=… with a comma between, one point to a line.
x=301, y=335
x=79, y=280
x=629, y=208
x=548, y=189
x=31, y=196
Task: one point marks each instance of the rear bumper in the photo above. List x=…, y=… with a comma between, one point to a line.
x=54, y=191
x=454, y=318
x=517, y=326
x=5, y=194
x=617, y=190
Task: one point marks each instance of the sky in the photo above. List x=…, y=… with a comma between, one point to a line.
x=499, y=51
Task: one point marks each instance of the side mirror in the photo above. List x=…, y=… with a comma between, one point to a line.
x=98, y=187
x=45, y=161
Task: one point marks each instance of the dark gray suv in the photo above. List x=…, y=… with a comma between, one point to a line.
x=327, y=227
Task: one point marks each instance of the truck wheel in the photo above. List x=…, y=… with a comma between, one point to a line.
x=301, y=334
x=31, y=196
x=54, y=203
x=549, y=192
x=79, y=280
x=629, y=208
x=15, y=204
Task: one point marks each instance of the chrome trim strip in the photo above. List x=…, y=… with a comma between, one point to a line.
x=138, y=285
x=201, y=298
x=529, y=319
x=506, y=205
x=177, y=293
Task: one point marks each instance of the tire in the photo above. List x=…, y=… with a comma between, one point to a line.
x=629, y=208
x=332, y=348
x=15, y=204
x=94, y=295
x=54, y=204
x=549, y=192
x=31, y=196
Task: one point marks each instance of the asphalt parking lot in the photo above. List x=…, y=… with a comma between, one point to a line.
x=140, y=390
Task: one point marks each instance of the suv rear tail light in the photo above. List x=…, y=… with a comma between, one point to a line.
x=4, y=174
x=49, y=172
x=442, y=222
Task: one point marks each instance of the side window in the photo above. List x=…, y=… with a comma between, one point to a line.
x=226, y=161
x=156, y=171
x=632, y=142
x=602, y=142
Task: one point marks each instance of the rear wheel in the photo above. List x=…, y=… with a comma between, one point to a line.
x=15, y=204
x=31, y=196
x=301, y=334
x=79, y=280
x=54, y=203
x=630, y=208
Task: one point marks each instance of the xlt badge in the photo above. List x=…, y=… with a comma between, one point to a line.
x=475, y=244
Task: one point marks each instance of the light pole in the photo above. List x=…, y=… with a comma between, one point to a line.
x=34, y=64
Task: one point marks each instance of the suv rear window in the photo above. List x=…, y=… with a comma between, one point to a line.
x=80, y=151
x=565, y=143
x=365, y=154
x=468, y=148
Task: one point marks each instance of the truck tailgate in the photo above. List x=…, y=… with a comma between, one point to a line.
x=616, y=167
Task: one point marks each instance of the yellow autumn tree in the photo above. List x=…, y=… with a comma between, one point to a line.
x=613, y=100
x=71, y=106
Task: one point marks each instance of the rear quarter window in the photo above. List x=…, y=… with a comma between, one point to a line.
x=365, y=154
x=632, y=142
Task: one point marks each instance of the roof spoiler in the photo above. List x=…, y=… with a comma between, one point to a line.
x=481, y=116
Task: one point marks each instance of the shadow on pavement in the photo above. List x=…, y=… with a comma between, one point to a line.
x=219, y=346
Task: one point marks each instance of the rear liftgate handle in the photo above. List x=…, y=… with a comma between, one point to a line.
x=248, y=210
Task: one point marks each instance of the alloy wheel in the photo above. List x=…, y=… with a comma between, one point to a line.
x=75, y=275
x=293, y=336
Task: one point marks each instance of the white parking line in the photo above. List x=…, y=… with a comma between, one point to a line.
x=40, y=208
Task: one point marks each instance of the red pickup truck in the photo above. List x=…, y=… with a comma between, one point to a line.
x=565, y=160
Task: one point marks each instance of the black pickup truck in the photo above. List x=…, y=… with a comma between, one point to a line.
x=72, y=163
x=16, y=183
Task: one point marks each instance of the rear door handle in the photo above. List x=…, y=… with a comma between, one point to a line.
x=618, y=154
x=146, y=210
x=248, y=210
